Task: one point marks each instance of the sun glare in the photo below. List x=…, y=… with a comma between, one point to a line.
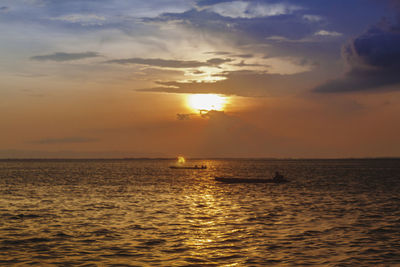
x=181, y=160
x=207, y=102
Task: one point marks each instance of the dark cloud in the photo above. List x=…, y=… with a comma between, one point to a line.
x=396, y=5
x=241, y=83
x=168, y=63
x=218, y=61
x=183, y=117
x=4, y=9
x=361, y=81
x=287, y=25
x=66, y=140
x=374, y=61
x=219, y=53
x=61, y=56
x=378, y=48
x=244, y=55
x=198, y=72
x=203, y=113
x=210, y=2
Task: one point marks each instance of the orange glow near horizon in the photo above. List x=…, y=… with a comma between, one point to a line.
x=207, y=102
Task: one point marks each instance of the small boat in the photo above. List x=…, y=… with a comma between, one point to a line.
x=189, y=167
x=232, y=180
x=181, y=161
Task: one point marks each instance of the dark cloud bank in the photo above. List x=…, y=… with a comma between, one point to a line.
x=374, y=61
x=61, y=56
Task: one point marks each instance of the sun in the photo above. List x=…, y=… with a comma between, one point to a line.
x=207, y=102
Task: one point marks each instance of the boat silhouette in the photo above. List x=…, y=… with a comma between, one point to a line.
x=233, y=180
x=189, y=167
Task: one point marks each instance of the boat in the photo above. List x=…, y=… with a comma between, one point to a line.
x=233, y=180
x=181, y=162
x=189, y=167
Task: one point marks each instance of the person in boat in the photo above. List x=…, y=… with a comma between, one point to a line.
x=278, y=177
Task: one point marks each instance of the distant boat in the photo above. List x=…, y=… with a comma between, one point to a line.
x=182, y=160
x=189, y=167
x=232, y=180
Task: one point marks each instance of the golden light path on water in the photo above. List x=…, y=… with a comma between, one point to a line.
x=143, y=213
x=207, y=102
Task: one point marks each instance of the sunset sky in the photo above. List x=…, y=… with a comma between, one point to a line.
x=122, y=78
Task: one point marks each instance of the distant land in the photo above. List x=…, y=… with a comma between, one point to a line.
x=201, y=158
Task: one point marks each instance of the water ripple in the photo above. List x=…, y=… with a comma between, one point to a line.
x=141, y=213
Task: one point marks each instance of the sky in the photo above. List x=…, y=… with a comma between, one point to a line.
x=199, y=78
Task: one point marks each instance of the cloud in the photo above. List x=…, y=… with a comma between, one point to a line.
x=169, y=63
x=198, y=72
x=218, y=61
x=317, y=37
x=183, y=117
x=61, y=56
x=4, y=9
x=82, y=19
x=244, y=55
x=243, y=64
x=328, y=33
x=219, y=53
x=224, y=53
x=282, y=39
x=313, y=18
x=244, y=9
x=240, y=83
x=78, y=10
x=66, y=140
x=359, y=81
x=248, y=28
x=374, y=61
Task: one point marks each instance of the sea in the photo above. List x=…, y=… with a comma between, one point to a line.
x=140, y=212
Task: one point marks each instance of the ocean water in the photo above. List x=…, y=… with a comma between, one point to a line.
x=142, y=213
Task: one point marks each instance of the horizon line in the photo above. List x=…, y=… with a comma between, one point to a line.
x=200, y=158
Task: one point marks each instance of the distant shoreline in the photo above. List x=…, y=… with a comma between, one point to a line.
x=215, y=158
